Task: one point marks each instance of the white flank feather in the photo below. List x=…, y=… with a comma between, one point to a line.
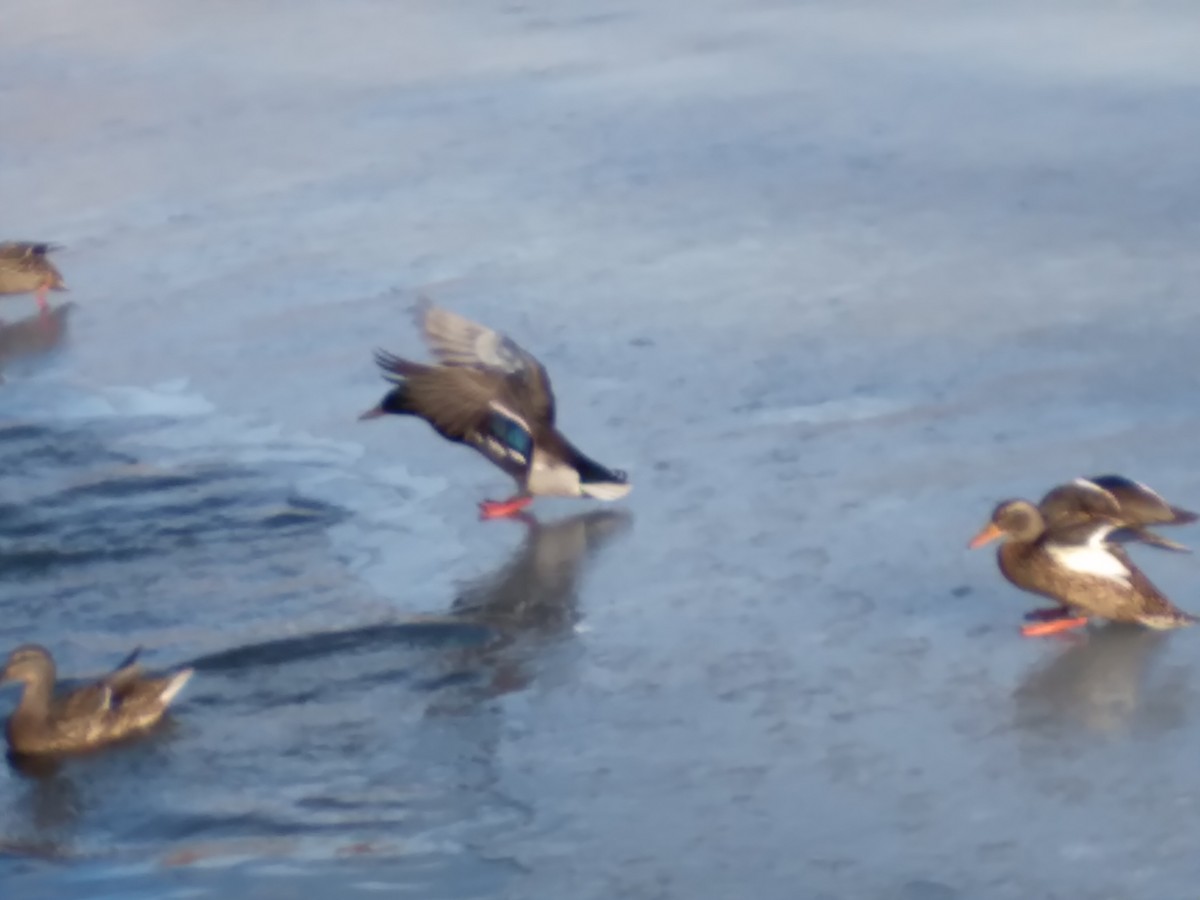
x=605, y=490
x=1092, y=558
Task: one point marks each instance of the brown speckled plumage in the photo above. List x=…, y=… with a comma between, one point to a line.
x=1036, y=558
x=25, y=268
x=123, y=703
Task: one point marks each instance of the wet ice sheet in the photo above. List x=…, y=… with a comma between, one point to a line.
x=829, y=281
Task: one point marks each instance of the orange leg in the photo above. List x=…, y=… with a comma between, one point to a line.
x=43, y=305
x=502, y=509
x=1054, y=626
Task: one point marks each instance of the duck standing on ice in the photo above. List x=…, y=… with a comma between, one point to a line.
x=1065, y=549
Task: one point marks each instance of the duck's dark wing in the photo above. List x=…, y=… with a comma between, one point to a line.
x=1077, y=502
x=465, y=405
x=16, y=250
x=1141, y=505
x=1112, y=498
x=458, y=342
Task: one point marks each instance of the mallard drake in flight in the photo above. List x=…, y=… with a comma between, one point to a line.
x=1130, y=505
x=1077, y=567
x=26, y=269
x=485, y=391
x=123, y=703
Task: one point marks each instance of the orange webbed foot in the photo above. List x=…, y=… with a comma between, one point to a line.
x=1055, y=626
x=503, y=509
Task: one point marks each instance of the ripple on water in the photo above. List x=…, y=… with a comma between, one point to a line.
x=326, y=727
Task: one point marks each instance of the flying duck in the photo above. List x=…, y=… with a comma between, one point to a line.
x=1076, y=566
x=1113, y=498
x=488, y=393
x=123, y=703
x=26, y=269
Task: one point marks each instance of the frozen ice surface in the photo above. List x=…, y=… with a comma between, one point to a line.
x=829, y=279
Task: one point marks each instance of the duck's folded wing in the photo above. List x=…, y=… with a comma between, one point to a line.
x=457, y=341
x=127, y=674
x=1151, y=601
x=90, y=700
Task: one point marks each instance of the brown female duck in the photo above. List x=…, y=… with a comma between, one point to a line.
x=26, y=269
x=123, y=703
x=488, y=393
x=1077, y=567
x=1130, y=505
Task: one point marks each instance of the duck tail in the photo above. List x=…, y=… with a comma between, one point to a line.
x=599, y=481
x=174, y=685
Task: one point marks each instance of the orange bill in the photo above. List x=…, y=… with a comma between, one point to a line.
x=990, y=532
x=1054, y=626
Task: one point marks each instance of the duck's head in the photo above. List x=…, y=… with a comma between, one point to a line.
x=29, y=663
x=392, y=403
x=1017, y=520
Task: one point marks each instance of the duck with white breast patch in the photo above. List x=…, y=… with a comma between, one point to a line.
x=1074, y=563
x=490, y=394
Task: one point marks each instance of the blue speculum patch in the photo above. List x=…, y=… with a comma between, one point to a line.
x=511, y=434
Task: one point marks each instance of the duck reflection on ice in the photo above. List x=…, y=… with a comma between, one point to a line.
x=532, y=594
x=531, y=600
x=535, y=591
x=1096, y=685
x=32, y=336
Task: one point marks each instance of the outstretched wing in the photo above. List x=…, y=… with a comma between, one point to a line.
x=1140, y=504
x=457, y=341
x=1079, y=501
x=472, y=407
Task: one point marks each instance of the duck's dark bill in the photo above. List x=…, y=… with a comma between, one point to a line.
x=989, y=533
x=373, y=413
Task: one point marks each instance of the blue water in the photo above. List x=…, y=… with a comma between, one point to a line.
x=298, y=743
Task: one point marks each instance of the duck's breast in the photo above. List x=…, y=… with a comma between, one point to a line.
x=550, y=477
